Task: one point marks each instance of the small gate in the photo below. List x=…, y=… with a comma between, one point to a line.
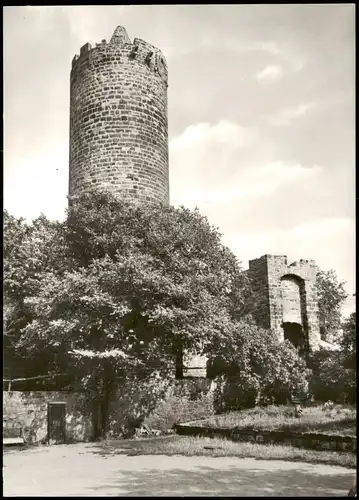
x=56, y=423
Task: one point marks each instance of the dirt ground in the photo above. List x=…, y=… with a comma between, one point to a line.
x=85, y=470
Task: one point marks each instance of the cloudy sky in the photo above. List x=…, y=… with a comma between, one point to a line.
x=261, y=118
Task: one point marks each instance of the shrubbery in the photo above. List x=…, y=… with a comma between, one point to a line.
x=256, y=368
x=334, y=372
x=116, y=292
x=330, y=379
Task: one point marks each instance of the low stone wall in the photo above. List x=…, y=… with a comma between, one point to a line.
x=313, y=441
x=28, y=410
x=158, y=404
x=185, y=400
x=161, y=404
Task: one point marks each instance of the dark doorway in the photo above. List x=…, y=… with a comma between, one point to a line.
x=56, y=423
x=294, y=333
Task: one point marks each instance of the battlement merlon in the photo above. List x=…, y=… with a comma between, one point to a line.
x=120, y=36
x=146, y=49
x=268, y=259
x=304, y=268
x=304, y=263
x=120, y=42
x=276, y=266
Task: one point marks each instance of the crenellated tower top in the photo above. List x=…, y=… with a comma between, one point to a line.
x=118, y=119
x=138, y=51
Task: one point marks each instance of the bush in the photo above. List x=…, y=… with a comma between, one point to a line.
x=331, y=380
x=233, y=393
x=256, y=368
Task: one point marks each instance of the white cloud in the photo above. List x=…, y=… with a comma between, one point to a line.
x=265, y=179
x=37, y=184
x=224, y=132
x=220, y=180
x=218, y=163
x=285, y=54
x=99, y=22
x=329, y=241
x=262, y=180
x=271, y=73
x=270, y=47
x=285, y=116
x=238, y=45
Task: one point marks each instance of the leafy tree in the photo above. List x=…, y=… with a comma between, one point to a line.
x=334, y=372
x=257, y=368
x=331, y=380
x=331, y=296
x=349, y=342
x=30, y=250
x=119, y=289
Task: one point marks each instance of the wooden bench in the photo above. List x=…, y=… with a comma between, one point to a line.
x=13, y=435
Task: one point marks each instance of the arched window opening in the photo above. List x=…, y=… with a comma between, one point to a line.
x=292, y=288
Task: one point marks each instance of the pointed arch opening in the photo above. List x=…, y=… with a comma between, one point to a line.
x=294, y=322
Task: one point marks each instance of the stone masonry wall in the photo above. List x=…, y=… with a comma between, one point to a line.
x=259, y=300
x=292, y=300
x=118, y=120
x=185, y=401
x=311, y=441
x=28, y=410
x=272, y=278
x=159, y=405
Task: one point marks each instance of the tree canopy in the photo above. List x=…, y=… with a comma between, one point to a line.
x=118, y=288
x=348, y=342
x=30, y=251
x=331, y=296
x=258, y=368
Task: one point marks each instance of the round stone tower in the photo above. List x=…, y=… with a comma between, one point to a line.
x=118, y=120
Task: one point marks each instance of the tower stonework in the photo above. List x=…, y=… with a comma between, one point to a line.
x=118, y=119
x=285, y=299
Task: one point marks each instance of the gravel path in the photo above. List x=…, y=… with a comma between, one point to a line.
x=81, y=470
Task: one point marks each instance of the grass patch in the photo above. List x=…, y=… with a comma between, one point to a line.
x=216, y=447
x=339, y=420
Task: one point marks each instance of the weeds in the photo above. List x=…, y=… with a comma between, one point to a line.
x=330, y=420
x=216, y=447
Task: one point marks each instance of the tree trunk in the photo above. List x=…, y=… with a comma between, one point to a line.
x=96, y=420
x=107, y=392
x=100, y=417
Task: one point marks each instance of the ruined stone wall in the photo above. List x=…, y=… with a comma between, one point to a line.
x=162, y=404
x=28, y=410
x=258, y=303
x=118, y=120
x=292, y=300
x=159, y=405
x=156, y=402
x=283, y=293
x=186, y=400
